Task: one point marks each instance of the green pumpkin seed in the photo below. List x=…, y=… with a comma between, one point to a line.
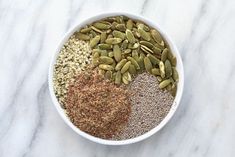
x=106, y=60
x=92, y=34
x=110, y=54
x=103, y=37
x=164, y=55
x=98, y=50
x=104, y=53
x=130, y=37
x=120, y=64
x=114, y=24
x=121, y=27
x=113, y=76
x=135, y=54
x=125, y=67
x=108, y=75
x=143, y=26
x=113, y=40
x=117, y=53
x=133, y=61
x=119, y=19
x=155, y=71
x=127, y=76
x=96, y=29
x=127, y=51
x=124, y=44
x=94, y=41
x=175, y=74
x=164, y=83
x=129, y=24
x=146, y=49
x=118, y=34
x=169, y=87
x=159, y=46
x=147, y=64
x=118, y=77
x=153, y=59
x=82, y=36
x=109, y=36
x=133, y=46
x=162, y=69
x=132, y=69
x=85, y=30
x=173, y=90
x=136, y=33
x=113, y=65
x=159, y=78
x=168, y=68
x=105, y=46
x=106, y=67
x=173, y=61
x=101, y=26
x=146, y=43
x=143, y=34
x=157, y=51
x=124, y=80
x=95, y=58
x=140, y=61
x=156, y=36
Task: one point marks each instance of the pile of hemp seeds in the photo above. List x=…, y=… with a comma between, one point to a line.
x=116, y=78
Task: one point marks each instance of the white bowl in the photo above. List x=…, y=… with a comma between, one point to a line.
x=175, y=103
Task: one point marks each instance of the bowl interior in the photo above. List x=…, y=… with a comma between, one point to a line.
x=176, y=102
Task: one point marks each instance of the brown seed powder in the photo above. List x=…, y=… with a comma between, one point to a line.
x=97, y=106
x=150, y=105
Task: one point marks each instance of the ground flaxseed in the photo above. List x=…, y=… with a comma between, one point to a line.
x=74, y=57
x=96, y=105
x=149, y=106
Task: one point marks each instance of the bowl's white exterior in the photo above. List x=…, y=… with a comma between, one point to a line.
x=147, y=134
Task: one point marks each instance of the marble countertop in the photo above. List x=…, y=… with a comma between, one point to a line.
x=203, y=31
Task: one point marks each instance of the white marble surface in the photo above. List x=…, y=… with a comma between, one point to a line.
x=204, y=32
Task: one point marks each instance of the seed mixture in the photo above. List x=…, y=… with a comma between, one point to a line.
x=74, y=57
x=97, y=106
x=116, y=78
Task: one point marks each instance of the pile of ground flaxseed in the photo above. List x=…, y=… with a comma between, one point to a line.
x=116, y=78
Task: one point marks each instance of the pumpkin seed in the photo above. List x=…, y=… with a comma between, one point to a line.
x=159, y=78
x=158, y=45
x=175, y=74
x=82, y=36
x=127, y=76
x=147, y=64
x=146, y=43
x=173, y=61
x=156, y=36
x=169, y=87
x=109, y=36
x=129, y=24
x=168, y=68
x=133, y=61
x=153, y=59
x=162, y=69
x=104, y=53
x=85, y=30
x=140, y=61
x=125, y=67
x=96, y=29
x=113, y=64
x=106, y=67
x=127, y=51
x=118, y=77
x=118, y=34
x=132, y=69
x=106, y=60
x=130, y=37
x=98, y=50
x=164, y=83
x=105, y=46
x=95, y=58
x=146, y=49
x=113, y=40
x=173, y=90
x=155, y=71
x=124, y=80
x=124, y=44
x=117, y=53
x=143, y=26
x=101, y=26
x=164, y=55
x=113, y=26
x=157, y=51
x=94, y=41
x=135, y=54
x=133, y=46
x=119, y=19
x=120, y=64
x=143, y=34
x=110, y=54
x=103, y=37
x=136, y=33
x=108, y=75
x=121, y=27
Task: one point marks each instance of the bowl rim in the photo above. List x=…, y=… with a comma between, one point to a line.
x=179, y=68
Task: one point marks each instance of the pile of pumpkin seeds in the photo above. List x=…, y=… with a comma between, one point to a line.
x=122, y=48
